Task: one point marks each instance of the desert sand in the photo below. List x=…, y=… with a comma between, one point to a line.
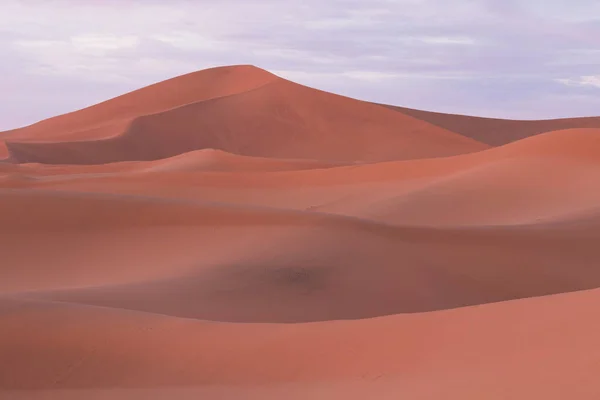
x=231, y=234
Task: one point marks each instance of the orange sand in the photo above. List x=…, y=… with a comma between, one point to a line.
x=229, y=234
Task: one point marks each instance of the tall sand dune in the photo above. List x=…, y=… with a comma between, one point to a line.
x=280, y=119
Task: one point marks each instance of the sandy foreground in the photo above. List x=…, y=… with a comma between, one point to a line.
x=229, y=234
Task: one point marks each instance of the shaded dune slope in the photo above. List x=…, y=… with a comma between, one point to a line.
x=496, y=131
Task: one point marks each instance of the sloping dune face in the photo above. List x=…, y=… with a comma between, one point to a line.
x=229, y=234
x=535, y=348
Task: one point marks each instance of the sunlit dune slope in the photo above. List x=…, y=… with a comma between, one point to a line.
x=534, y=348
x=103, y=119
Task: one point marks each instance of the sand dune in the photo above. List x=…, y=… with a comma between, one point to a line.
x=218, y=160
x=499, y=186
x=280, y=119
x=231, y=234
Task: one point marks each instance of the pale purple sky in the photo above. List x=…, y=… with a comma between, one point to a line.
x=502, y=58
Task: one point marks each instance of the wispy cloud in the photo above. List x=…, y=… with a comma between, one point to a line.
x=589, y=80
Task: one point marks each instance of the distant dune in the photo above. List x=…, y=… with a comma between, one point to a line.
x=230, y=234
x=495, y=131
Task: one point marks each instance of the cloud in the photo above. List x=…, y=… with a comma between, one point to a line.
x=190, y=41
x=589, y=80
x=421, y=53
x=103, y=44
x=447, y=40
